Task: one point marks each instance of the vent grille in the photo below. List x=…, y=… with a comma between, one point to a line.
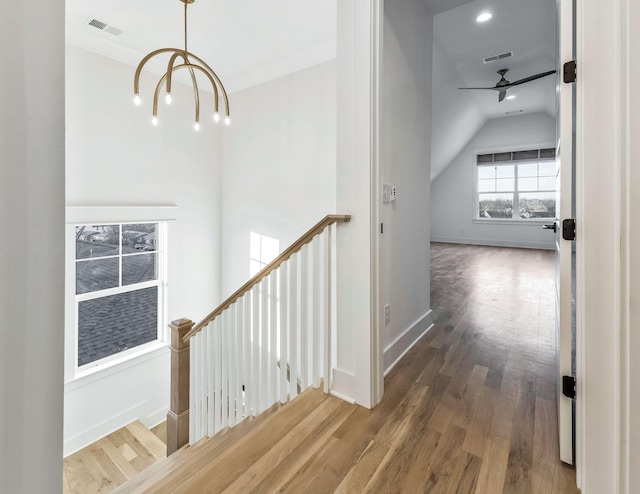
x=97, y=23
x=495, y=58
x=103, y=26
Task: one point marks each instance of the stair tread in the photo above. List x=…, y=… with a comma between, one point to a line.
x=169, y=473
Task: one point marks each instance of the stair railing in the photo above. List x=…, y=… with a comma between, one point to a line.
x=266, y=343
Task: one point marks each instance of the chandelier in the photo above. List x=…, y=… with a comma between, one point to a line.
x=187, y=63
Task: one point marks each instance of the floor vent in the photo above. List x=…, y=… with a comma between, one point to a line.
x=495, y=58
x=103, y=26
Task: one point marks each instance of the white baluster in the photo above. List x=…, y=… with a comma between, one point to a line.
x=304, y=317
x=247, y=355
x=293, y=328
x=327, y=310
x=210, y=378
x=217, y=358
x=317, y=340
x=200, y=396
x=240, y=359
x=264, y=345
x=273, y=328
x=192, y=391
x=255, y=345
x=224, y=363
x=231, y=349
x=284, y=329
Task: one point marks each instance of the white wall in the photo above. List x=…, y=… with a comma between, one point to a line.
x=32, y=217
x=607, y=414
x=279, y=164
x=405, y=163
x=452, y=199
x=631, y=383
x=359, y=24
x=116, y=157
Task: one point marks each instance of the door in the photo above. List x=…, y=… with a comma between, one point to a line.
x=564, y=243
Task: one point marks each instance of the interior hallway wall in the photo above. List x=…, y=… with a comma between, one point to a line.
x=405, y=162
x=32, y=212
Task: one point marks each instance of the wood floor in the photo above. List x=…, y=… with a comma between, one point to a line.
x=470, y=409
x=114, y=459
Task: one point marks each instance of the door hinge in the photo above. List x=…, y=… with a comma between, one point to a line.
x=569, y=387
x=569, y=229
x=570, y=72
x=381, y=227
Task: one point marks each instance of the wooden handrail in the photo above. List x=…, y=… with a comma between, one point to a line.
x=295, y=247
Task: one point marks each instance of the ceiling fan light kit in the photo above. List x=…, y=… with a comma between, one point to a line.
x=166, y=79
x=504, y=85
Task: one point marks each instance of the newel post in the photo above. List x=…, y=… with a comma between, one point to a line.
x=178, y=416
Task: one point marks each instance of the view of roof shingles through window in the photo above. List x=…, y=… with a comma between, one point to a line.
x=115, y=257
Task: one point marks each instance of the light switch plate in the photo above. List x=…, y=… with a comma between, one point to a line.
x=386, y=193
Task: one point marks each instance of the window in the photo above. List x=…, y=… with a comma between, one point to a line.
x=519, y=185
x=262, y=250
x=118, y=288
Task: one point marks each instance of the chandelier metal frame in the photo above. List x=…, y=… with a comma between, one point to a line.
x=166, y=79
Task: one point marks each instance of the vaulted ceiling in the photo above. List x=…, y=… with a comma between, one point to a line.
x=525, y=27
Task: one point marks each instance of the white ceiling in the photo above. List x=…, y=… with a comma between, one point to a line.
x=245, y=42
x=248, y=44
x=525, y=27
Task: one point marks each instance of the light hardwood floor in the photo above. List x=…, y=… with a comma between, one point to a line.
x=470, y=409
x=114, y=459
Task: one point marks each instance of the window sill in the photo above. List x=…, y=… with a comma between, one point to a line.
x=537, y=222
x=115, y=364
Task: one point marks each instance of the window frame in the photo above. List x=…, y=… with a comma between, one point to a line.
x=476, y=194
x=114, y=215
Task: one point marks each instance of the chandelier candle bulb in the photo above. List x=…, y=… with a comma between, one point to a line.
x=196, y=126
x=216, y=117
x=154, y=121
x=137, y=100
x=181, y=58
x=227, y=121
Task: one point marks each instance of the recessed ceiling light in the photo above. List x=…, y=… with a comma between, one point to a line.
x=511, y=97
x=484, y=17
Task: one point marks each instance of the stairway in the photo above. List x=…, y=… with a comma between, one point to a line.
x=114, y=459
x=261, y=452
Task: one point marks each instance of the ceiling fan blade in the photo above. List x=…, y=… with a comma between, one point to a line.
x=532, y=78
x=494, y=88
x=502, y=95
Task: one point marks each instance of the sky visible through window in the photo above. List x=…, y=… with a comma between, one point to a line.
x=262, y=250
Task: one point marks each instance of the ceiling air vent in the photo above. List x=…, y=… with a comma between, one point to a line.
x=495, y=58
x=103, y=26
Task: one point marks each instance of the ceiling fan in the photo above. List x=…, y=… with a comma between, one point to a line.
x=504, y=85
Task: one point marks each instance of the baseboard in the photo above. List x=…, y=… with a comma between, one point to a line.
x=343, y=385
x=348, y=399
x=403, y=343
x=493, y=242
x=155, y=418
x=105, y=428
